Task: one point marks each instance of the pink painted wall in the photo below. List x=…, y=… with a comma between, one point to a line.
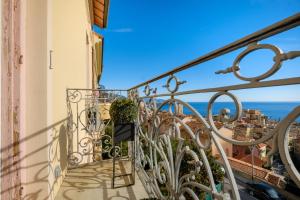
x=10, y=99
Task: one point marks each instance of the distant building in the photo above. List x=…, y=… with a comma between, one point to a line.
x=262, y=150
x=254, y=117
x=225, y=145
x=244, y=152
x=256, y=160
x=242, y=131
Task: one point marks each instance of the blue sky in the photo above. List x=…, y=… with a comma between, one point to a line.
x=146, y=38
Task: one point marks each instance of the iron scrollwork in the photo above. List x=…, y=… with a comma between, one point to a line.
x=161, y=164
x=88, y=139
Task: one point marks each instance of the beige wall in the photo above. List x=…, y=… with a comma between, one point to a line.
x=72, y=63
x=34, y=161
x=61, y=26
x=71, y=54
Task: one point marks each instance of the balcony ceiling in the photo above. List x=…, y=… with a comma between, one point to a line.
x=99, y=12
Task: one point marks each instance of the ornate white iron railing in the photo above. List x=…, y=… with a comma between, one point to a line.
x=88, y=138
x=174, y=157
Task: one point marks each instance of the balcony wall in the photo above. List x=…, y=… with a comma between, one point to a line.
x=64, y=28
x=71, y=40
x=34, y=160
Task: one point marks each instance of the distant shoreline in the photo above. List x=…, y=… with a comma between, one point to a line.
x=273, y=110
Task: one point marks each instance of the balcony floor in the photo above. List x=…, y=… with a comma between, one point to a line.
x=94, y=182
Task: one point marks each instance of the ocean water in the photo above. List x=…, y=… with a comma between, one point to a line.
x=274, y=110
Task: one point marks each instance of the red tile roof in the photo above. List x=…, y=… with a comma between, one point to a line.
x=257, y=160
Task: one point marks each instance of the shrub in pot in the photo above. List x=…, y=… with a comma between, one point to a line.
x=123, y=112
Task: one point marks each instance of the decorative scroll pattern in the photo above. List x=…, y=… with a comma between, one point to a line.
x=163, y=141
x=156, y=141
x=88, y=140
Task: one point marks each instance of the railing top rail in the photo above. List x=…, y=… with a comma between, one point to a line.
x=264, y=33
x=269, y=83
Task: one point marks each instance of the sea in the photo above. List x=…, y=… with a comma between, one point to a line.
x=273, y=110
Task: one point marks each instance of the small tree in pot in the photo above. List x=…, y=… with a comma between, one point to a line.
x=123, y=112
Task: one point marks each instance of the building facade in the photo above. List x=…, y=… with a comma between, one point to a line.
x=46, y=47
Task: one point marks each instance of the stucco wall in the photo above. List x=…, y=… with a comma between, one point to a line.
x=64, y=28
x=71, y=43
x=34, y=161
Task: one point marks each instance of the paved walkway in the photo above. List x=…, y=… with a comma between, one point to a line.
x=93, y=182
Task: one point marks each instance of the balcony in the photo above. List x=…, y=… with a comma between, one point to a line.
x=180, y=153
x=94, y=182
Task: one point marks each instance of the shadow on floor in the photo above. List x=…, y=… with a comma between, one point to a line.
x=94, y=182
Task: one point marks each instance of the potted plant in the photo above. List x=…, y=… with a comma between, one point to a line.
x=123, y=113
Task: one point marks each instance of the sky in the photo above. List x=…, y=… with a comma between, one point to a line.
x=146, y=38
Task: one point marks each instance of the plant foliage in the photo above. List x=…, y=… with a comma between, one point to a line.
x=123, y=111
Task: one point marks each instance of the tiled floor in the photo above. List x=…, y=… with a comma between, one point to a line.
x=94, y=183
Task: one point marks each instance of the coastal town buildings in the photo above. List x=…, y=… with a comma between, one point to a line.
x=252, y=125
x=246, y=160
